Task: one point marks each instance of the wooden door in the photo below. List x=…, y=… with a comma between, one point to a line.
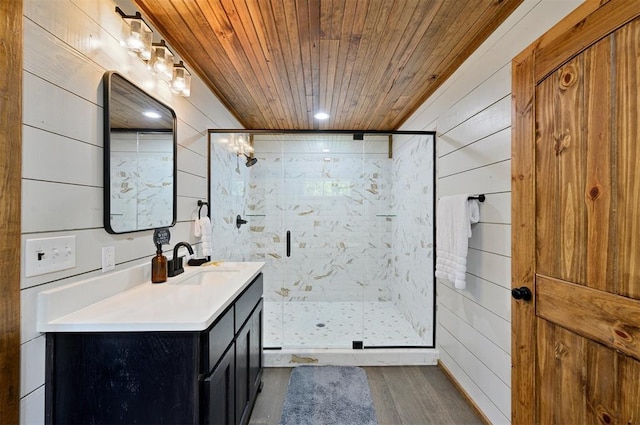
x=576, y=220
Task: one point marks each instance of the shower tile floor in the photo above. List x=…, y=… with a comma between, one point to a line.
x=336, y=324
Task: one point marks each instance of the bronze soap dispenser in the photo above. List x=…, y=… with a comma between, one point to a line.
x=159, y=266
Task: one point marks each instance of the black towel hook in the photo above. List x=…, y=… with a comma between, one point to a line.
x=480, y=197
x=201, y=204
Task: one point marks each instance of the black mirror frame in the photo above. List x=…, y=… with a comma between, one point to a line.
x=106, y=180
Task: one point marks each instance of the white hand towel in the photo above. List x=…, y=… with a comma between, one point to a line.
x=205, y=228
x=197, y=229
x=455, y=214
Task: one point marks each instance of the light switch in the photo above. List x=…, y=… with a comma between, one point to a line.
x=48, y=255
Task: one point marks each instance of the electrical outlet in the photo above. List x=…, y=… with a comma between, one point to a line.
x=108, y=258
x=48, y=255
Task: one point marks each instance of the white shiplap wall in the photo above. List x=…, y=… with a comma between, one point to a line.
x=68, y=45
x=471, y=113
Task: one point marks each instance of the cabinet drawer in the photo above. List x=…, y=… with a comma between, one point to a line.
x=247, y=301
x=216, y=340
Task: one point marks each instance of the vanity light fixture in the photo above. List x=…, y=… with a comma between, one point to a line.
x=161, y=62
x=181, y=81
x=136, y=34
x=137, y=38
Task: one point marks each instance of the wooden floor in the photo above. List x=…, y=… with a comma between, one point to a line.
x=402, y=395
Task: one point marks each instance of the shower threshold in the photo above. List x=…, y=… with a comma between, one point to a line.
x=327, y=333
x=291, y=357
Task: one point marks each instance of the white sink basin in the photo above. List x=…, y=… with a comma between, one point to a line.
x=219, y=269
x=205, y=278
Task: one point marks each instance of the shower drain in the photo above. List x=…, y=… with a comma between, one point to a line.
x=320, y=325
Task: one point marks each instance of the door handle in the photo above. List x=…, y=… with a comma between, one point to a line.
x=288, y=243
x=240, y=221
x=522, y=293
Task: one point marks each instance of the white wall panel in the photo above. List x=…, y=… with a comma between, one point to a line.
x=496, y=208
x=68, y=46
x=192, y=115
x=192, y=185
x=489, y=237
x=53, y=109
x=490, y=179
x=472, y=114
x=489, y=150
x=492, y=357
x=188, y=208
x=32, y=408
x=495, y=88
x=48, y=156
x=193, y=139
x=58, y=206
x=190, y=161
x=32, y=354
x=58, y=63
x=495, y=328
x=488, y=266
x=496, y=117
x=483, y=400
x=492, y=297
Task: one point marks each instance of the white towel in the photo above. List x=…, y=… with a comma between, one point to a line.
x=197, y=229
x=205, y=229
x=455, y=215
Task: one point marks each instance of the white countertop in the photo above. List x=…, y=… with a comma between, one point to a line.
x=190, y=301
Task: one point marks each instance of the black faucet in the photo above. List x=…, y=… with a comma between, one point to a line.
x=175, y=264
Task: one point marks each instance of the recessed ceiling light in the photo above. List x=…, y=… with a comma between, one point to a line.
x=326, y=150
x=151, y=114
x=321, y=116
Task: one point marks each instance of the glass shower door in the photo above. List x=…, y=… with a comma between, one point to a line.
x=322, y=206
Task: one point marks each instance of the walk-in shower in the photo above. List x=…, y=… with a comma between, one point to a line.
x=345, y=227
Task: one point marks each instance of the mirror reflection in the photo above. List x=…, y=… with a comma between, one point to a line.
x=139, y=159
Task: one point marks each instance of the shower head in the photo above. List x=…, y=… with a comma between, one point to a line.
x=250, y=160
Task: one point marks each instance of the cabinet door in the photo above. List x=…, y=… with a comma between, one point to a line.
x=248, y=364
x=255, y=350
x=218, y=403
x=243, y=387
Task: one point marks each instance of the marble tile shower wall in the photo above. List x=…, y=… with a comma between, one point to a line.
x=229, y=181
x=413, y=232
x=340, y=245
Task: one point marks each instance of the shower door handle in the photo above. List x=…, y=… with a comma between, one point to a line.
x=288, y=243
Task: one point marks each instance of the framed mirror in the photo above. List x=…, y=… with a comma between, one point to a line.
x=140, y=168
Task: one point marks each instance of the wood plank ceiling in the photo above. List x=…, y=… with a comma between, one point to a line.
x=369, y=64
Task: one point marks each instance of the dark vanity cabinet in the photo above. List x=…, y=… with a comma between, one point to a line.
x=210, y=377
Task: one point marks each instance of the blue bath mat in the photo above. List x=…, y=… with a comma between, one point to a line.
x=328, y=395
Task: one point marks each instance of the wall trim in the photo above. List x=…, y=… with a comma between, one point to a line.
x=463, y=393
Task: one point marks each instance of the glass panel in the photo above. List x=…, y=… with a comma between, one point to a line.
x=264, y=210
x=405, y=312
x=324, y=204
x=361, y=232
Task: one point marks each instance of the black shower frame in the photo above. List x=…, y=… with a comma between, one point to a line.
x=353, y=132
